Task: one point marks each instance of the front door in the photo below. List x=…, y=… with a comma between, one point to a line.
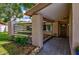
x=62, y=29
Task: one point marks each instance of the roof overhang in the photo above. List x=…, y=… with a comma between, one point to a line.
x=36, y=8
x=50, y=11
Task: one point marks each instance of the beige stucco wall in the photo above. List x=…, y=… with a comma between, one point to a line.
x=55, y=29
x=75, y=25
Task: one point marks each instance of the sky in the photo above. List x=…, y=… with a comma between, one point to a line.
x=25, y=18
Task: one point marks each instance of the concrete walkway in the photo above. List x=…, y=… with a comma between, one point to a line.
x=56, y=46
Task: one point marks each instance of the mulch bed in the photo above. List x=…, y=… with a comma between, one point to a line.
x=14, y=49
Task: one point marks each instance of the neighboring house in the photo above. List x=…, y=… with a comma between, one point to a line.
x=20, y=24
x=2, y=27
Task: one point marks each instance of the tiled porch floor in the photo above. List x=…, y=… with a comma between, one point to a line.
x=56, y=46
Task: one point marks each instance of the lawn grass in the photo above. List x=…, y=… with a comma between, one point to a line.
x=2, y=50
x=3, y=40
x=11, y=48
x=4, y=36
x=6, y=47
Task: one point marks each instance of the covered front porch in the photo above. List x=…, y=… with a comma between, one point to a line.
x=54, y=40
x=54, y=22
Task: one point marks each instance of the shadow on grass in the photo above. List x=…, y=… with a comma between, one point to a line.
x=14, y=49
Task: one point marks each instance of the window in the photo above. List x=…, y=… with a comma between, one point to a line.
x=44, y=27
x=49, y=27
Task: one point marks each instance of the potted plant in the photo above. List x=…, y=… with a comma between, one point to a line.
x=77, y=50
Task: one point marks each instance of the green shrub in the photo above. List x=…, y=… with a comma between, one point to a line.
x=12, y=38
x=77, y=48
x=21, y=40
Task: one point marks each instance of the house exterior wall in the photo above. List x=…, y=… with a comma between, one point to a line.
x=55, y=29
x=75, y=26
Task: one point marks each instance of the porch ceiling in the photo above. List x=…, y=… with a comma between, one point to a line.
x=54, y=11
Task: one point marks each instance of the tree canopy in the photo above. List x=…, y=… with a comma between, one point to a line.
x=7, y=10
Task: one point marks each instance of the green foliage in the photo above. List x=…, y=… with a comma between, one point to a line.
x=21, y=40
x=11, y=38
x=7, y=10
x=77, y=48
x=4, y=36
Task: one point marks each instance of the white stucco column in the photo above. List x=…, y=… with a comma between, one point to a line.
x=37, y=30
x=10, y=28
x=75, y=25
